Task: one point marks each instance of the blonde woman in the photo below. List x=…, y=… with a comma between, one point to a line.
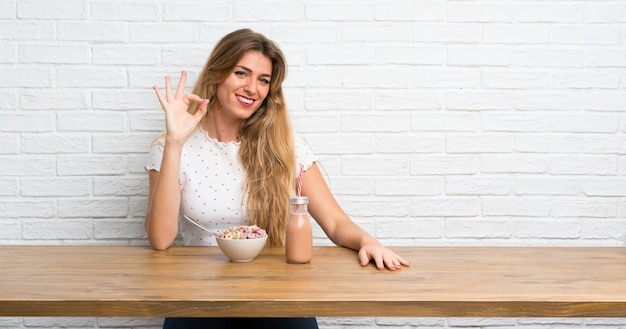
x=229, y=156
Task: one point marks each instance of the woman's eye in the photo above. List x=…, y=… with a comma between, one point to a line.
x=264, y=81
x=240, y=73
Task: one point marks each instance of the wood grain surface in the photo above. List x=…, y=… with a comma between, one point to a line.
x=200, y=281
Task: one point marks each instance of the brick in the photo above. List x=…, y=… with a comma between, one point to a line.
x=515, y=206
x=515, y=79
x=91, y=77
x=514, y=122
x=126, y=54
x=120, y=186
x=480, y=143
x=91, y=31
x=64, y=187
x=610, y=101
x=26, y=30
x=584, y=207
x=316, y=123
x=25, y=76
x=409, y=143
x=125, y=11
x=9, y=144
x=163, y=32
x=585, y=34
x=548, y=100
x=550, y=12
x=375, y=78
x=81, y=165
x=8, y=187
x=546, y=185
x=479, y=56
x=336, y=101
x=55, y=54
x=362, y=32
x=340, y=54
x=153, y=121
x=445, y=207
x=200, y=12
x=184, y=56
x=93, y=207
x=314, y=33
x=411, y=186
x=543, y=229
x=609, y=12
x=529, y=164
x=461, y=78
x=478, y=229
x=603, y=186
x=50, y=9
x=516, y=34
x=28, y=208
x=605, y=79
x=375, y=166
x=326, y=77
x=549, y=143
x=399, y=122
x=480, y=12
x=603, y=144
x=454, y=33
x=119, y=230
x=583, y=165
x=8, y=100
x=56, y=230
x=398, y=100
x=350, y=185
x=26, y=122
x=545, y=57
x=54, y=99
x=9, y=230
x=409, y=11
x=27, y=165
x=126, y=143
x=410, y=55
x=409, y=228
x=124, y=99
x=55, y=143
x=479, y=100
x=268, y=11
x=93, y=121
x=584, y=123
x=350, y=144
x=8, y=10
x=445, y=121
x=375, y=208
x=482, y=185
x=339, y=12
x=444, y=164
x=8, y=52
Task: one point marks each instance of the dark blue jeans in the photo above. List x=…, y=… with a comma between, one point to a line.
x=240, y=323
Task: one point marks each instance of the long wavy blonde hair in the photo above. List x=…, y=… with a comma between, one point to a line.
x=267, y=149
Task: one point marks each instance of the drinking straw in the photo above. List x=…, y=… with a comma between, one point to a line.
x=300, y=176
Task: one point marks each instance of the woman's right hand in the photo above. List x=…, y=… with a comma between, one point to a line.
x=179, y=124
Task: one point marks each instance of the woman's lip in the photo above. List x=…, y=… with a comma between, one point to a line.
x=245, y=100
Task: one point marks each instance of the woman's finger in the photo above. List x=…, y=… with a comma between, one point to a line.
x=168, y=88
x=159, y=96
x=180, y=91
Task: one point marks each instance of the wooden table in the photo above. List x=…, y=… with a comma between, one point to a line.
x=200, y=281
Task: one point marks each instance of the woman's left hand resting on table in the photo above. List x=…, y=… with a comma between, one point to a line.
x=340, y=228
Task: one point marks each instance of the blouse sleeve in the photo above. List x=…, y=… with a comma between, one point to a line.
x=153, y=162
x=304, y=154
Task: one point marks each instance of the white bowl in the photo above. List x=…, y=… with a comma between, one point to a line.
x=241, y=250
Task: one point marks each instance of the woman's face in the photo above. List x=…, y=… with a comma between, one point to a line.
x=243, y=92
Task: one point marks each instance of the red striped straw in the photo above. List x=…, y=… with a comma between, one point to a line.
x=300, y=176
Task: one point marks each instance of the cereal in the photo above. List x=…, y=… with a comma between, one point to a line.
x=243, y=232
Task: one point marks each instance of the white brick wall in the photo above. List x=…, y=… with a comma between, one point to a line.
x=438, y=122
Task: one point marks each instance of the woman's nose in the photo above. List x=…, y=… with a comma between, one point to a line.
x=250, y=87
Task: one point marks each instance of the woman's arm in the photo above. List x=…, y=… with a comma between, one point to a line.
x=161, y=221
x=340, y=228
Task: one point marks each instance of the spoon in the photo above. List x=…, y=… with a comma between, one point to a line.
x=199, y=225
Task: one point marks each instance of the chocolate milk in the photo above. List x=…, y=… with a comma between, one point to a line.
x=299, y=233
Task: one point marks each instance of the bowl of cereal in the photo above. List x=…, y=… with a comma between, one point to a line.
x=242, y=243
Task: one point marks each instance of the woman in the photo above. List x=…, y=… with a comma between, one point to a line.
x=229, y=157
